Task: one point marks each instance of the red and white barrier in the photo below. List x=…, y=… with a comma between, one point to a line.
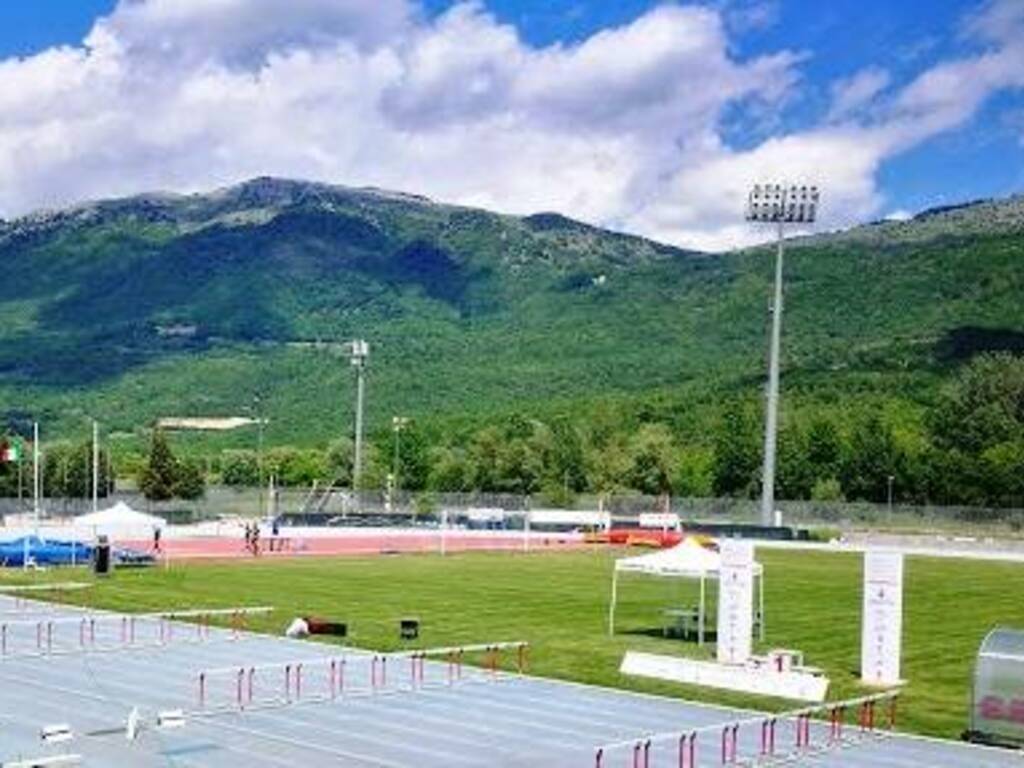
x=95, y=632
x=756, y=740
x=327, y=678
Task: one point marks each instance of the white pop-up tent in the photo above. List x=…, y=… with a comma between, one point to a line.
x=120, y=521
x=687, y=560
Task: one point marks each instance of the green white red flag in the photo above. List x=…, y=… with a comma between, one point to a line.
x=10, y=452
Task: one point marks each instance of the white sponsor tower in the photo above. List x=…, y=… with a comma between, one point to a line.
x=882, y=620
x=736, y=602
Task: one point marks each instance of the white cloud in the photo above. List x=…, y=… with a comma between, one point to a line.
x=852, y=95
x=998, y=21
x=623, y=129
x=242, y=31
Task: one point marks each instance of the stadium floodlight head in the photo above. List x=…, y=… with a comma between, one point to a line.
x=360, y=351
x=785, y=203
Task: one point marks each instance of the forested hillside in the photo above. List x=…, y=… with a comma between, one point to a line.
x=530, y=352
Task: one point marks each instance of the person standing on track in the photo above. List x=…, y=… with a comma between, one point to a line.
x=156, y=539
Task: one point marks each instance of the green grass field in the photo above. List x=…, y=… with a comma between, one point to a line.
x=558, y=602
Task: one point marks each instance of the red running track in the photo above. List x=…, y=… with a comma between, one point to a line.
x=356, y=543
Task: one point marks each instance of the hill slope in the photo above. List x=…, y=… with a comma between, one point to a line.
x=192, y=305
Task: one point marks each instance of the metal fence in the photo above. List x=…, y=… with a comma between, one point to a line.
x=324, y=504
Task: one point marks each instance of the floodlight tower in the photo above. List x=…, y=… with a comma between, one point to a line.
x=359, y=353
x=780, y=205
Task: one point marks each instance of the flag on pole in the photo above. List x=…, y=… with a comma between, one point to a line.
x=10, y=452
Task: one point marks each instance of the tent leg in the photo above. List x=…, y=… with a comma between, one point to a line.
x=702, y=612
x=760, y=605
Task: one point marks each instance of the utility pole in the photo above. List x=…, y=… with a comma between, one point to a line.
x=398, y=423
x=259, y=448
x=360, y=353
x=35, y=474
x=95, y=465
x=780, y=205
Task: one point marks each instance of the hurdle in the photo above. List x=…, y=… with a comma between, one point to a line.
x=326, y=678
x=755, y=740
x=101, y=631
x=23, y=604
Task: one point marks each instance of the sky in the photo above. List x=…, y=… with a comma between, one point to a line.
x=647, y=117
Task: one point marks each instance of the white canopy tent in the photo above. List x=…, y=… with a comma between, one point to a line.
x=120, y=521
x=687, y=560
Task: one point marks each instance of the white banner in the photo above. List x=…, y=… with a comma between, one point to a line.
x=882, y=620
x=735, y=601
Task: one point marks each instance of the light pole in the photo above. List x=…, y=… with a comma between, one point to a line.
x=398, y=423
x=95, y=465
x=780, y=205
x=36, y=485
x=890, y=481
x=360, y=351
x=256, y=403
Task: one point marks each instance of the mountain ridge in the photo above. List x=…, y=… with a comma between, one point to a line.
x=165, y=304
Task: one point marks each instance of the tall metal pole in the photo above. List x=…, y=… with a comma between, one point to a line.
x=35, y=473
x=394, y=461
x=398, y=423
x=259, y=449
x=95, y=465
x=357, y=469
x=771, y=424
x=777, y=204
x=360, y=351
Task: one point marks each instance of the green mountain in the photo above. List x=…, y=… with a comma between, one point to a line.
x=166, y=305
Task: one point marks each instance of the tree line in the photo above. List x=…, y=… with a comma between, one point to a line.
x=968, y=449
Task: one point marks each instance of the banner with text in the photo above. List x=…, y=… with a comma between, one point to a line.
x=736, y=601
x=882, y=624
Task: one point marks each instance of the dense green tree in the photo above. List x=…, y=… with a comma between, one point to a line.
x=160, y=473
x=608, y=465
x=827, y=489
x=1001, y=472
x=795, y=473
x=651, y=460
x=189, y=482
x=240, y=468
x=413, y=465
x=450, y=470
x=737, y=452
x=339, y=459
x=694, y=473
x=983, y=406
x=485, y=455
x=165, y=477
x=872, y=457
x=295, y=467
x=824, y=448
x=566, y=464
